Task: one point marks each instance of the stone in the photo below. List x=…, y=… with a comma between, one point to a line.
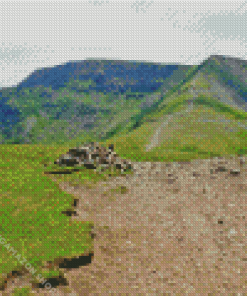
x=93, y=156
x=235, y=172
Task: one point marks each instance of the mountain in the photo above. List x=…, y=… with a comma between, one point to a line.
x=101, y=100
x=78, y=96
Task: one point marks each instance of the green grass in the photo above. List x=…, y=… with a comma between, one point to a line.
x=220, y=107
x=31, y=209
x=31, y=206
x=25, y=291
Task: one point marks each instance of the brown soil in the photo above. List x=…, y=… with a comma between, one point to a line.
x=176, y=229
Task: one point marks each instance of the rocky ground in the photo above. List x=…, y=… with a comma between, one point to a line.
x=168, y=229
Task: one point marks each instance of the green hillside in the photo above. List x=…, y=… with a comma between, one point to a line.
x=209, y=128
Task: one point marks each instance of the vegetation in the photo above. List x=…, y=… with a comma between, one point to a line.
x=31, y=202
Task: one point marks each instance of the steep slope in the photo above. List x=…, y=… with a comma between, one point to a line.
x=84, y=99
x=200, y=119
x=227, y=80
x=219, y=77
x=231, y=71
x=99, y=99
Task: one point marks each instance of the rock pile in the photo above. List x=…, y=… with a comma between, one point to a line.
x=93, y=156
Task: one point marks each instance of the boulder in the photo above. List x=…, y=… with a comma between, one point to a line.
x=93, y=156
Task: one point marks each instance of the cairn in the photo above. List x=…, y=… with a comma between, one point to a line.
x=93, y=156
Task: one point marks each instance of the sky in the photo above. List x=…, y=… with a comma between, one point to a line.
x=37, y=34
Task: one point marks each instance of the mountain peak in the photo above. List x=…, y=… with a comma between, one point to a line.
x=225, y=57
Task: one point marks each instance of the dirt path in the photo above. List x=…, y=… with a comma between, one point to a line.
x=180, y=228
x=156, y=137
x=155, y=141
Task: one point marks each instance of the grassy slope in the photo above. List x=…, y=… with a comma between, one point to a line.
x=31, y=209
x=123, y=113
x=186, y=137
x=224, y=71
x=59, y=131
x=30, y=202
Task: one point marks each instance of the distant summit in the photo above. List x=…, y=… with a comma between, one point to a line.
x=225, y=57
x=106, y=75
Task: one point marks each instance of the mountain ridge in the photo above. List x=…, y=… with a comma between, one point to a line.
x=103, y=100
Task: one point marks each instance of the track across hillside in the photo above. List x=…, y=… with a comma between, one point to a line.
x=155, y=141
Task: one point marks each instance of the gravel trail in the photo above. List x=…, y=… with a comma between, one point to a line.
x=179, y=228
